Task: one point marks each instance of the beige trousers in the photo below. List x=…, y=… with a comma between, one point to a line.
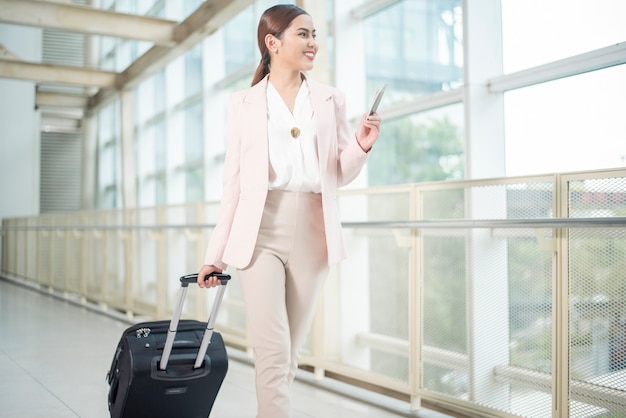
x=280, y=289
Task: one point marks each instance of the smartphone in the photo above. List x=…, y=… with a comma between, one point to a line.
x=377, y=98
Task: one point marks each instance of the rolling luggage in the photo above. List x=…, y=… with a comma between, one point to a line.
x=169, y=369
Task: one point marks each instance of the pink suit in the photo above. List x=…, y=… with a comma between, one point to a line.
x=281, y=242
x=246, y=171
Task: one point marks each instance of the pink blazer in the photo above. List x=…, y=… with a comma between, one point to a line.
x=246, y=172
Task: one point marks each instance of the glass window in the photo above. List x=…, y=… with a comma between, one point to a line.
x=575, y=123
x=125, y=55
x=426, y=146
x=107, y=4
x=416, y=47
x=536, y=32
x=144, y=157
x=194, y=152
x=240, y=36
x=193, y=71
x=124, y=6
x=151, y=164
x=159, y=92
x=144, y=101
x=149, y=8
x=194, y=184
x=191, y=6
x=109, y=169
x=107, y=53
x=160, y=146
x=160, y=149
x=150, y=149
x=194, y=134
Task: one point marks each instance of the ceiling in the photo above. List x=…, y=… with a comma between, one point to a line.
x=81, y=89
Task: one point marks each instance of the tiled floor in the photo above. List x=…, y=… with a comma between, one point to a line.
x=54, y=356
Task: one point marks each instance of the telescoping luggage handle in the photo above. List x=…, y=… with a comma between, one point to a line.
x=171, y=332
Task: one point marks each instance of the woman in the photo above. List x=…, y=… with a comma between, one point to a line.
x=288, y=150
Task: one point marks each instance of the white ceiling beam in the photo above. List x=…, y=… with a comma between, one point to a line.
x=76, y=18
x=370, y=7
x=65, y=74
x=50, y=99
x=58, y=127
x=205, y=20
x=53, y=123
x=73, y=114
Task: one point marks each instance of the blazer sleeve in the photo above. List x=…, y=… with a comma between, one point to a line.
x=351, y=157
x=230, y=182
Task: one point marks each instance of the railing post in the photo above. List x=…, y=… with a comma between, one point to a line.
x=66, y=258
x=84, y=257
x=415, y=285
x=129, y=254
x=560, y=307
x=161, y=273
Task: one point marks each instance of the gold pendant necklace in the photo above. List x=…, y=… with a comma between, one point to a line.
x=295, y=132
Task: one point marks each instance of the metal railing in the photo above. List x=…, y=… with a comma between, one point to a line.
x=496, y=297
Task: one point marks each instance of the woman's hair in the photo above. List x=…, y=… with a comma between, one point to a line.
x=273, y=21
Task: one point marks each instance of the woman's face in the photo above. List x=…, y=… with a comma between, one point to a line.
x=298, y=47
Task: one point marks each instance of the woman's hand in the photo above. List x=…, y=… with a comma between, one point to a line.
x=212, y=281
x=368, y=130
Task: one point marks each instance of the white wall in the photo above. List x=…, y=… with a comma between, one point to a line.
x=19, y=129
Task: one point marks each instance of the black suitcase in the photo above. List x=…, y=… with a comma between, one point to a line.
x=169, y=369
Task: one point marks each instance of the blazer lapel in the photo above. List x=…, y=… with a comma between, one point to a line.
x=324, y=108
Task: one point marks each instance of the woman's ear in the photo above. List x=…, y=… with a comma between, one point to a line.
x=272, y=43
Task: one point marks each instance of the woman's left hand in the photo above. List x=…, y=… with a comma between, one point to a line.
x=368, y=130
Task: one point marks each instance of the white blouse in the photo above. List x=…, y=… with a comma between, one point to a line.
x=294, y=163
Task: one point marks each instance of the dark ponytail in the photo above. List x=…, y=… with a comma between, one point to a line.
x=273, y=21
x=262, y=69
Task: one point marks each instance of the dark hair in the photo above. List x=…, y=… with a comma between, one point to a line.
x=273, y=21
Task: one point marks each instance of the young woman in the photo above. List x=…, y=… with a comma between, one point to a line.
x=288, y=151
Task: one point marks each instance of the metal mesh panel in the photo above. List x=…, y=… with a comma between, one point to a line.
x=597, y=296
x=389, y=298
x=444, y=316
x=11, y=248
x=45, y=247
x=487, y=300
x=57, y=256
x=113, y=274
x=531, y=328
x=482, y=296
x=146, y=247
x=368, y=309
x=444, y=321
x=29, y=268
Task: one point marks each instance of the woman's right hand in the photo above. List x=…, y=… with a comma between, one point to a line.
x=212, y=281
